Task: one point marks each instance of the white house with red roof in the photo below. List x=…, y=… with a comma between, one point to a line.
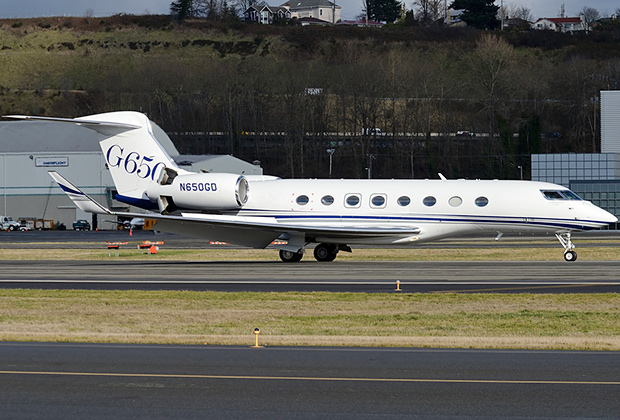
x=562, y=24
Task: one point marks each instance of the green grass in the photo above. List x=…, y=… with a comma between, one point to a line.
x=540, y=321
x=487, y=253
x=577, y=321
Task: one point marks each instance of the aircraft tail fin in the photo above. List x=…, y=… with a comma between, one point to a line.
x=82, y=200
x=133, y=154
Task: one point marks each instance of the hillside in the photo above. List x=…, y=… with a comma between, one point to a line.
x=417, y=85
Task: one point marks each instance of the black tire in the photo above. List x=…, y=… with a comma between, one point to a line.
x=289, y=256
x=11, y=228
x=570, y=256
x=325, y=252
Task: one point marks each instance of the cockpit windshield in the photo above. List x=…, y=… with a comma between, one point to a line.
x=560, y=195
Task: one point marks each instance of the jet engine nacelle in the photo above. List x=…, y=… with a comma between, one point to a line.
x=204, y=191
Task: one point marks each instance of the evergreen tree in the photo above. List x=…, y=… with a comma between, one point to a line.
x=181, y=9
x=383, y=10
x=481, y=14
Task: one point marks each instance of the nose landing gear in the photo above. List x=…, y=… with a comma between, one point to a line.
x=564, y=238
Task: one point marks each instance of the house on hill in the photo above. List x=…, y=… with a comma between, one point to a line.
x=324, y=10
x=562, y=24
x=266, y=14
x=454, y=17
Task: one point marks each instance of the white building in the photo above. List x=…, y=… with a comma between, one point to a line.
x=266, y=14
x=562, y=24
x=610, y=121
x=318, y=9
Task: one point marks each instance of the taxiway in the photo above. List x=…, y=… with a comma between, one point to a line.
x=40, y=380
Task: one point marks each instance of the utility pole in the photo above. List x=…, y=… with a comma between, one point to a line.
x=331, y=155
x=371, y=157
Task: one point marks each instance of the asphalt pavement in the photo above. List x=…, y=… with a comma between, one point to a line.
x=40, y=380
x=337, y=276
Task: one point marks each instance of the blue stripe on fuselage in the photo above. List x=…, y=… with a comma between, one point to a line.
x=483, y=220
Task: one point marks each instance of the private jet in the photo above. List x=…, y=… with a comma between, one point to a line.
x=291, y=214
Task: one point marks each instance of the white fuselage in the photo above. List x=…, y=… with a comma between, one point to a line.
x=439, y=208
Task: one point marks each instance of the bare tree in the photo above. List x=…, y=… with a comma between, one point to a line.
x=590, y=14
x=514, y=11
x=428, y=11
x=88, y=14
x=525, y=13
x=491, y=67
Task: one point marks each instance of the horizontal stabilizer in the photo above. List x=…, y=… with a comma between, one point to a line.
x=103, y=127
x=79, y=198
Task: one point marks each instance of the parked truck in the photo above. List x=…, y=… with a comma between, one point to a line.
x=7, y=223
x=81, y=225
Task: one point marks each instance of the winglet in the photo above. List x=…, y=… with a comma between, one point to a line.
x=79, y=198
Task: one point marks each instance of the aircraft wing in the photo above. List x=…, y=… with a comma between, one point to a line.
x=252, y=231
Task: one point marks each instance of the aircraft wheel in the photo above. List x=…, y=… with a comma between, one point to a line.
x=288, y=256
x=325, y=252
x=570, y=256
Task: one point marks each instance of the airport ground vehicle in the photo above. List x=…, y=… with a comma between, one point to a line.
x=81, y=225
x=7, y=223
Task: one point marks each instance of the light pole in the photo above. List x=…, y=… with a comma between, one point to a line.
x=371, y=157
x=331, y=155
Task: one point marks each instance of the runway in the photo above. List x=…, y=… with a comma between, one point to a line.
x=39, y=380
x=308, y=275
x=338, y=276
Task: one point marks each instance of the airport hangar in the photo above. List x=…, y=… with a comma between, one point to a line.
x=28, y=150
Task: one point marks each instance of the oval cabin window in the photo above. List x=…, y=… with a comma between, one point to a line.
x=352, y=200
x=327, y=200
x=403, y=201
x=377, y=200
x=302, y=200
x=455, y=201
x=482, y=201
x=429, y=201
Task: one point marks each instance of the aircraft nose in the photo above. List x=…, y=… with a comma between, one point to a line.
x=610, y=218
x=605, y=216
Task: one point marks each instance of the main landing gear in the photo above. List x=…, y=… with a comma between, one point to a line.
x=322, y=253
x=325, y=252
x=564, y=238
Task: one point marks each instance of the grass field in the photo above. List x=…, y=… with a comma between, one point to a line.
x=533, y=252
x=541, y=321
x=576, y=321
